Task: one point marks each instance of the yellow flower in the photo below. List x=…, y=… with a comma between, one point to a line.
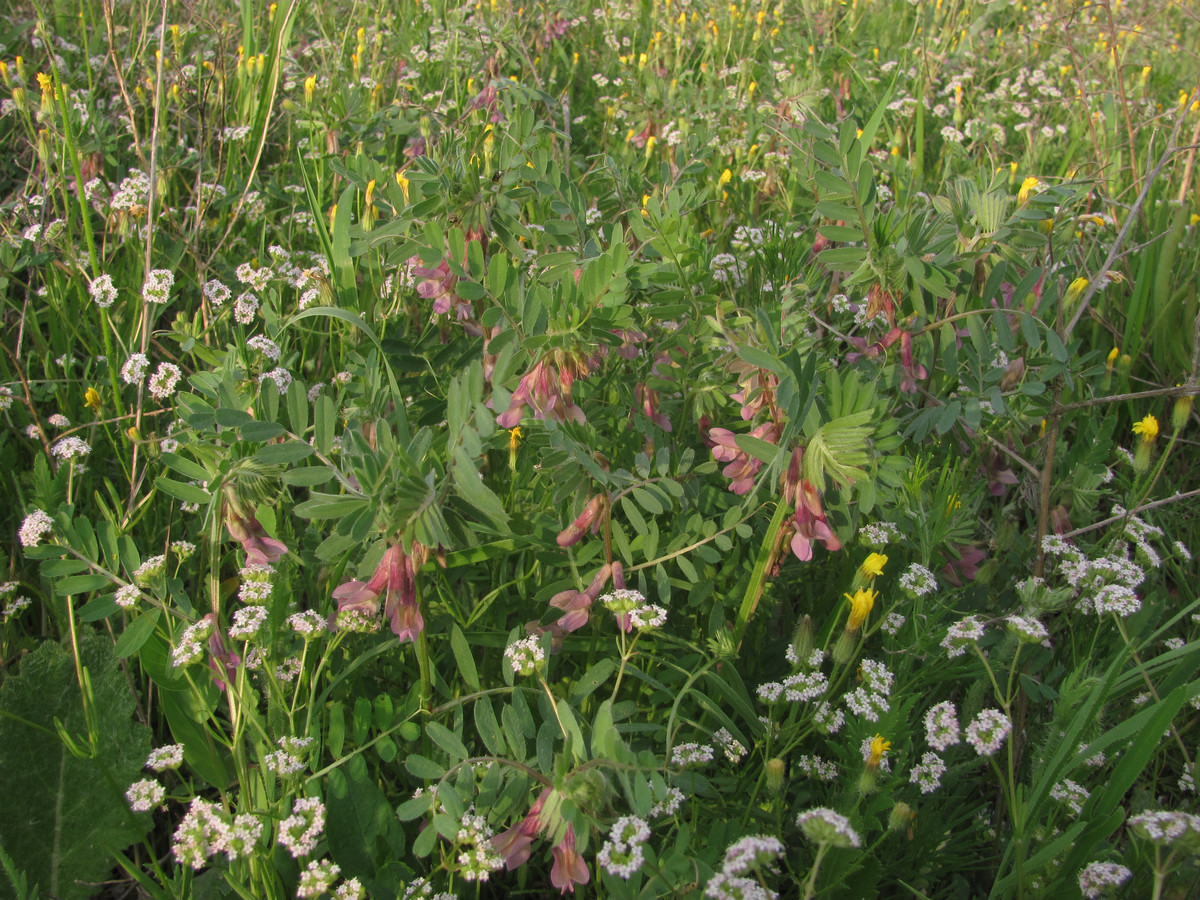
x=878, y=747
x=1027, y=187
x=1075, y=290
x=1147, y=429
x=1112, y=358
x=91, y=399
x=861, y=605
x=514, y=439
x=726, y=177
x=872, y=565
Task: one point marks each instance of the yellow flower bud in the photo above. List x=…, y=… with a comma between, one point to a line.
x=775, y=772
x=1182, y=411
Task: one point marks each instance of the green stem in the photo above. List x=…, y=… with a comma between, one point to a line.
x=810, y=885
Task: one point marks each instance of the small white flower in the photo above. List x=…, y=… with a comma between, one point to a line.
x=157, y=288
x=144, y=795
x=166, y=757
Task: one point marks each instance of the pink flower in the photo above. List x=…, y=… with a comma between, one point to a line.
x=515, y=843
x=569, y=869
x=648, y=400
x=913, y=371
x=577, y=604
x=811, y=524
x=246, y=530
x=223, y=662
x=742, y=466
x=587, y=520
x=966, y=565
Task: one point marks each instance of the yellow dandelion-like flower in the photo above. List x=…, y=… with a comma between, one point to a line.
x=1112, y=358
x=1146, y=429
x=1027, y=187
x=878, y=747
x=91, y=399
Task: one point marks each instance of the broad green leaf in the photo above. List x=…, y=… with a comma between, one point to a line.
x=72, y=812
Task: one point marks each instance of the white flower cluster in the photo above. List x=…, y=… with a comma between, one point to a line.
x=144, y=795
x=928, y=774
x=622, y=854
x=669, y=805
x=987, y=731
x=318, y=877
x=870, y=700
x=732, y=748
x=34, y=527
x=526, y=655
x=247, y=622
x=207, y=830
x=917, y=581
x=1073, y=794
x=941, y=726
x=816, y=767
x=169, y=756
x=190, y=649
x=691, y=755
x=962, y=635
x=1096, y=877
x=255, y=583
x=748, y=856
x=877, y=535
x=157, y=287
x=825, y=826
x=478, y=859
x=299, y=831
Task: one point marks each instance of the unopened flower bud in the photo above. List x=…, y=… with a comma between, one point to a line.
x=802, y=641
x=1182, y=411
x=775, y=770
x=901, y=816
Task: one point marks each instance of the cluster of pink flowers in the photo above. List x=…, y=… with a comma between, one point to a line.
x=395, y=578
x=546, y=389
x=515, y=845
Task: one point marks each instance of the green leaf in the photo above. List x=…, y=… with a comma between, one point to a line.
x=72, y=812
x=489, y=727
x=328, y=506
x=423, y=768
x=138, y=632
x=464, y=658
x=358, y=816
x=469, y=485
x=309, y=476
x=188, y=493
x=284, y=454
x=756, y=356
x=261, y=432
x=447, y=740
x=595, y=676
x=185, y=467
x=80, y=584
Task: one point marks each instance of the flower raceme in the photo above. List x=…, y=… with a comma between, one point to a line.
x=395, y=576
